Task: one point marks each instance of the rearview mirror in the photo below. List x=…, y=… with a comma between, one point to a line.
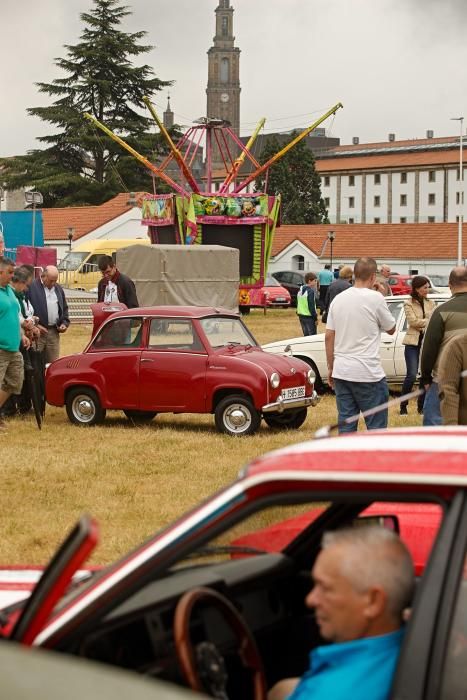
x=390, y=522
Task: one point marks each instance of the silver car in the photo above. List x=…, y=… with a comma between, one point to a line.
x=311, y=348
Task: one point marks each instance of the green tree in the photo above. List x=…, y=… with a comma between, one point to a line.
x=79, y=164
x=294, y=177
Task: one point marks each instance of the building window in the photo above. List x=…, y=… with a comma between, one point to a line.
x=459, y=198
x=432, y=198
x=377, y=179
x=403, y=178
x=431, y=219
x=351, y=180
x=377, y=201
x=403, y=200
x=376, y=220
x=225, y=26
x=463, y=174
x=432, y=176
x=327, y=180
x=225, y=70
x=326, y=202
x=351, y=221
x=403, y=220
x=351, y=202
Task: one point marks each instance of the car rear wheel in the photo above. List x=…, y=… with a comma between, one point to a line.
x=289, y=420
x=83, y=407
x=236, y=415
x=140, y=416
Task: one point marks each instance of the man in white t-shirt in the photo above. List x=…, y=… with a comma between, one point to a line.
x=353, y=335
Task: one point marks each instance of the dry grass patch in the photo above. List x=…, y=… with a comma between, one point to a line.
x=133, y=479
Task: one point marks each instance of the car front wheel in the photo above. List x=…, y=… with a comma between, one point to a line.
x=289, y=420
x=83, y=407
x=236, y=415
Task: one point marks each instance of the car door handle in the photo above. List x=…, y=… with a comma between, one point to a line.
x=146, y=359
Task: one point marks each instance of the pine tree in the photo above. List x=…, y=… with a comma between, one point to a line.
x=294, y=177
x=80, y=165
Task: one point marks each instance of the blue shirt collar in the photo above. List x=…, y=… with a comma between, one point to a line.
x=342, y=652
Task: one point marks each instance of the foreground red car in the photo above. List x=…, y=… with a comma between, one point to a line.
x=180, y=607
x=176, y=359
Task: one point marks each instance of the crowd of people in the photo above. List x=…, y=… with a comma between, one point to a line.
x=435, y=343
x=33, y=316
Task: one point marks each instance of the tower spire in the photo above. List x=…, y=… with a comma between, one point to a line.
x=168, y=115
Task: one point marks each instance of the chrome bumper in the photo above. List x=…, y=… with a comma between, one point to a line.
x=282, y=405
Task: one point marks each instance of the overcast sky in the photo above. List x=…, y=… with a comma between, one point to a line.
x=397, y=65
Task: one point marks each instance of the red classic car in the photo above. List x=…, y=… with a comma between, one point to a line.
x=275, y=295
x=181, y=608
x=181, y=360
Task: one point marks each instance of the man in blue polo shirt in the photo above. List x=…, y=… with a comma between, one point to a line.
x=11, y=360
x=363, y=582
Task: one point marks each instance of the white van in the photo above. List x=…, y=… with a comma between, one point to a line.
x=79, y=270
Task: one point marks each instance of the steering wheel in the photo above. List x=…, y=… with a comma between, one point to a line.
x=203, y=665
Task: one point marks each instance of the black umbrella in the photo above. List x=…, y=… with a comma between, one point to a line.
x=34, y=369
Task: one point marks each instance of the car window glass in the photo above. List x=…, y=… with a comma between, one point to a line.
x=91, y=263
x=285, y=277
x=395, y=308
x=173, y=334
x=271, y=282
x=454, y=681
x=298, y=279
x=120, y=333
x=222, y=332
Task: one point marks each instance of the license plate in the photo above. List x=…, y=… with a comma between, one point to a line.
x=295, y=392
x=279, y=299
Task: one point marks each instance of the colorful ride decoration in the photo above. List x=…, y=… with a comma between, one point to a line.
x=228, y=216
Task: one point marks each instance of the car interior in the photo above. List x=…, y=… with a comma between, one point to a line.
x=170, y=624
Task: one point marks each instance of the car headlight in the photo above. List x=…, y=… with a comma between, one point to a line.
x=274, y=380
x=311, y=377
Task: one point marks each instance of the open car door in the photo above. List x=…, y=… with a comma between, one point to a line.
x=56, y=578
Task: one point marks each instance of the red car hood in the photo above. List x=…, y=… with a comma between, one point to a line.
x=269, y=362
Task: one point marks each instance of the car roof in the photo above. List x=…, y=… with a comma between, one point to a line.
x=181, y=311
x=430, y=457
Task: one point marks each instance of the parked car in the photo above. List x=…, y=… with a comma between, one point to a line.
x=311, y=348
x=291, y=280
x=187, y=600
x=181, y=359
x=440, y=283
x=400, y=284
x=275, y=295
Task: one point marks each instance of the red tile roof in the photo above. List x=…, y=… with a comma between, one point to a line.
x=395, y=241
x=84, y=219
x=378, y=161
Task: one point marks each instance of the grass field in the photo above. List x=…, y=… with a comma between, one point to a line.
x=132, y=479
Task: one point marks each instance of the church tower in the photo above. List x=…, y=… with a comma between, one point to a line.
x=223, y=90
x=168, y=115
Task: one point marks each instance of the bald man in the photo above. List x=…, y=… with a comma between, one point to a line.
x=49, y=303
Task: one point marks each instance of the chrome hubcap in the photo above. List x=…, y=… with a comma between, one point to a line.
x=83, y=408
x=237, y=418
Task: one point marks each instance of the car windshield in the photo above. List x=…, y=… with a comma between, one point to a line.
x=223, y=331
x=395, y=308
x=72, y=260
x=271, y=282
